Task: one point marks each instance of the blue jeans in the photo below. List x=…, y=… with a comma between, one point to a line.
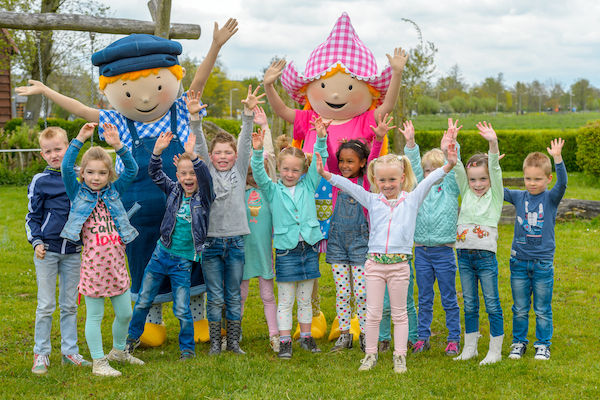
x=385, y=326
x=223, y=269
x=529, y=277
x=66, y=267
x=166, y=265
x=439, y=263
x=298, y=264
x=480, y=266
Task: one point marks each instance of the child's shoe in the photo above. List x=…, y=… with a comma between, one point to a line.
x=40, y=364
x=75, y=359
x=123, y=356
x=452, y=349
x=101, y=367
x=421, y=346
x=343, y=342
x=542, y=352
x=285, y=349
x=234, y=335
x=470, y=348
x=495, y=352
x=187, y=355
x=517, y=350
x=215, y=338
x=384, y=345
x=308, y=343
x=274, y=342
x=131, y=344
x=362, y=341
x=368, y=362
x=399, y=364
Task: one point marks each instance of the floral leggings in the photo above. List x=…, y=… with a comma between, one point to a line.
x=350, y=279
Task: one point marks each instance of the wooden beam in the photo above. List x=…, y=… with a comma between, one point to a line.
x=163, y=18
x=87, y=23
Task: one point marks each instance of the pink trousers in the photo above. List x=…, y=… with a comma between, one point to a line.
x=396, y=276
x=267, y=295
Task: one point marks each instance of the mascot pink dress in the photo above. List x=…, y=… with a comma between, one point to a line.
x=342, y=85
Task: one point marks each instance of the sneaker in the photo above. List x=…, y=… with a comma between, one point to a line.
x=308, y=343
x=187, y=355
x=517, y=350
x=343, y=342
x=410, y=344
x=285, y=349
x=223, y=343
x=399, y=364
x=368, y=362
x=101, y=367
x=542, y=352
x=362, y=341
x=384, y=345
x=452, y=349
x=40, y=364
x=421, y=346
x=274, y=342
x=76, y=359
x=131, y=344
x=123, y=357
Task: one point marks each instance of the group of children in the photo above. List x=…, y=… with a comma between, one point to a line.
x=229, y=210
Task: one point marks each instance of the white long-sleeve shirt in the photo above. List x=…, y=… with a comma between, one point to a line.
x=392, y=226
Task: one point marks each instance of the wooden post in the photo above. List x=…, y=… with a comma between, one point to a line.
x=161, y=16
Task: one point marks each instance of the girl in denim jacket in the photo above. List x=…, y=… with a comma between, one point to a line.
x=98, y=216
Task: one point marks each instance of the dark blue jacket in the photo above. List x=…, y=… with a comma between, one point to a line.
x=199, y=203
x=48, y=210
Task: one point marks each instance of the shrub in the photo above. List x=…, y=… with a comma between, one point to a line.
x=588, y=148
x=232, y=126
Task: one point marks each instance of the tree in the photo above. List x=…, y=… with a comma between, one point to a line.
x=581, y=91
x=451, y=85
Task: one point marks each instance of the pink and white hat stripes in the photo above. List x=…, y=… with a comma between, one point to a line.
x=344, y=47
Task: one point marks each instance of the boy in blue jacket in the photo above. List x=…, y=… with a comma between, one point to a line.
x=54, y=256
x=182, y=234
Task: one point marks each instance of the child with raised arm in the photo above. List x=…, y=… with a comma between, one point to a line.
x=392, y=213
x=435, y=235
x=223, y=255
x=349, y=235
x=98, y=217
x=480, y=185
x=53, y=256
x=532, y=252
x=296, y=233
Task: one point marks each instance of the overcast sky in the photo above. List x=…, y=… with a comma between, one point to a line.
x=552, y=41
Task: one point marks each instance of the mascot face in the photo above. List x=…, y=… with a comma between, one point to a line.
x=339, y=97
x=146, y=98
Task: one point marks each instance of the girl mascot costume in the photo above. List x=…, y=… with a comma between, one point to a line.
x=341, y=84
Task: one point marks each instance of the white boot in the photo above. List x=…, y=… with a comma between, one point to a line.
x=470, y=346
x=495, y=352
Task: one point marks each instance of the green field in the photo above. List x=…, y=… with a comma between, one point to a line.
x=573, y=371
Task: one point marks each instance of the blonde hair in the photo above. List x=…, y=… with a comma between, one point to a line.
x=433, y=158
x=410, y=180
x=97, y=153
x=539, y=160
x=285, y=149
x=176, y=70
x=52, y=132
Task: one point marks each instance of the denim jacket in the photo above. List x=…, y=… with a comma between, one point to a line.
x=84, y=200
x=199, y=203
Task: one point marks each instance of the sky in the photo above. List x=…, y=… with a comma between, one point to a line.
x=551, y=41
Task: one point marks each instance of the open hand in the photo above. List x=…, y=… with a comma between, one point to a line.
x=253, y=99
x=398, y=60
x=451, y=156
x=408, y=132
x=162, y=142
x=450, y=135
x=320, y=126
x=555, y=149
x=258, y=139
x=321, y=168
x=221, y=36
x=192, y=101
x=383, y=126
x=486, y=131
x=273, y=72
x=111, y=136
x=260, y=118
x=189, y=145
x=87, y=131
x=36, y=87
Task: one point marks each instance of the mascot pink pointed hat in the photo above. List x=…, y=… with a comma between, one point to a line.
x=344, y=47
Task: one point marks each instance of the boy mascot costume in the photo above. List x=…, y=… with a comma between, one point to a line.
x=141, y=77
x=341, y=84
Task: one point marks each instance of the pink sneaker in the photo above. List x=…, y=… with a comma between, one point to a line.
x=452, y=349
x=421, y=346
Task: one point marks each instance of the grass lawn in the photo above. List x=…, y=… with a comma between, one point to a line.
x=572, y=372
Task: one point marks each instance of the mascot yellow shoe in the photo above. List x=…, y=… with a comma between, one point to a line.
x=355, y=328
x=317, y=329
x=335, y=329
x=201, y=331
x=154, y=335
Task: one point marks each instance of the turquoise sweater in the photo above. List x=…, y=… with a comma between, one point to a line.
x=436, y=220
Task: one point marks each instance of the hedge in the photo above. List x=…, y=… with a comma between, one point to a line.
x=71, y=127
x=588, y=148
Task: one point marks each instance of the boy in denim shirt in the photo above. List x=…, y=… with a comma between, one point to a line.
x=54, y=256
x=182, y=234
x=532, y=252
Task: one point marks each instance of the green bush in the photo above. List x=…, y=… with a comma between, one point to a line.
x=516, y=144
x=232, y=126
x=10, y=176
x=588, y=148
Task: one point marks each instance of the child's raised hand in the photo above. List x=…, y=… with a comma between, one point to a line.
x=555, y=149
x=486, y=131
x=383, y=126
x=408, y=132
x=192, y=101
x=273, y=72
x=162, y=142
x=189, y=145
x=398, y=61
x=253, y=99
x=87, y=131
x=320, y=126
x=260, y=118
x=451, y=156
x=321, y=169
x=258, y=139
x=221, y=36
